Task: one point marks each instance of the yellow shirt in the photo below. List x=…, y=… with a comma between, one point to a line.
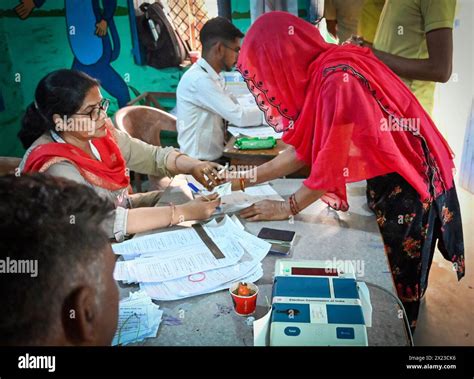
x=402, y=31
x=369, y=19
x=346, y=13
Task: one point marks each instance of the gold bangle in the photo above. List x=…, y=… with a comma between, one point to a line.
x=175, y=161
x=173, y=208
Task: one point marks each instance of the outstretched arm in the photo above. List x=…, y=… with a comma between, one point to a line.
x=280, y=210
x=283, y=164
x=437, y=68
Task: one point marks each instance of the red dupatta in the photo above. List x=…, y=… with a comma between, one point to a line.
x=346, y=113
x=109, y=173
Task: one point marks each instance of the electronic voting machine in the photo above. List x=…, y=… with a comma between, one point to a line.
x=315, y=304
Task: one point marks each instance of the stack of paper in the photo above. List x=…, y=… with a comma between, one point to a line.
x=178, y=264
x=139, y=318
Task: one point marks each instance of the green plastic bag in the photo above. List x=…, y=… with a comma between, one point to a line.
x=255, y=143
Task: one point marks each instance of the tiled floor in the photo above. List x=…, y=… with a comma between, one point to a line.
x=447, y=312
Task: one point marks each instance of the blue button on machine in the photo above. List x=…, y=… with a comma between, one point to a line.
x=292, y=331
x=345, y=333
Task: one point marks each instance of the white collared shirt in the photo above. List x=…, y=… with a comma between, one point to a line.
x=203, y=104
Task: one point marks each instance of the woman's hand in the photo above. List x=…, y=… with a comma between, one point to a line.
x=268, y=210
x=207, y=174
x=235, y=179
x=235, y=184
x=335, y=202
x=199, y=208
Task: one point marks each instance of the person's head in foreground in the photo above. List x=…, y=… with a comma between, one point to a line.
x=220, y=41
x=65, y=294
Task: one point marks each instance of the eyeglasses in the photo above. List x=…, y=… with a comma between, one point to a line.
x=94, y=114
x=235, y=50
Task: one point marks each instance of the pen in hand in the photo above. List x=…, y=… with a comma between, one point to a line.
x=197, y=191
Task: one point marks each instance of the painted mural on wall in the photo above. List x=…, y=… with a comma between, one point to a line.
x=93, y=39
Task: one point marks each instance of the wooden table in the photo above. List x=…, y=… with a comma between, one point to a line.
x=252, y=157
x=258, y=157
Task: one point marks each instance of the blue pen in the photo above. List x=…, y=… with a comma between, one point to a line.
x=197, y=191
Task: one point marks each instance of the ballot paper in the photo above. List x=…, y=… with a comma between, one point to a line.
x=172, y=290
x=154, y=266
x=222, y=190
x=185, y=271
x=161, y=242
x=139, y=318
x=239, y=200
x=254, y=131
x=214, y=280
x=176, y=254
x=233, y=201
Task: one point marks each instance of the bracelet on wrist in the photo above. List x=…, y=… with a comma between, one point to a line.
x=175, y=163
x=294, y=208
x=173, y=211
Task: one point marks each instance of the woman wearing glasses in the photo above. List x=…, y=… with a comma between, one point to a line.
x=67, y=133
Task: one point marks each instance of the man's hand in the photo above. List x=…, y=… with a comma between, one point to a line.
x=24, y=9
x=438, y=66
x=268, y=210
x=335, y=202
x=101, y=28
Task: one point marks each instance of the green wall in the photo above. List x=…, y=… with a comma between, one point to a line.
x=38, y=45
x=241, y=12
x=33, y=47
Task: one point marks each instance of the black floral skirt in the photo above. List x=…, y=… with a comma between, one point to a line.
x=410, y=230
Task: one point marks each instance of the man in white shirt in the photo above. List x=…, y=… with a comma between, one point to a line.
x=202, y=101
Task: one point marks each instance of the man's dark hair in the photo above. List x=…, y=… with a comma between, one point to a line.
x=218, y=29
x=58, y=223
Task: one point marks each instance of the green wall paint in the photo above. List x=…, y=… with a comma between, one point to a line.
x=33, y=47
x=38, y=45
